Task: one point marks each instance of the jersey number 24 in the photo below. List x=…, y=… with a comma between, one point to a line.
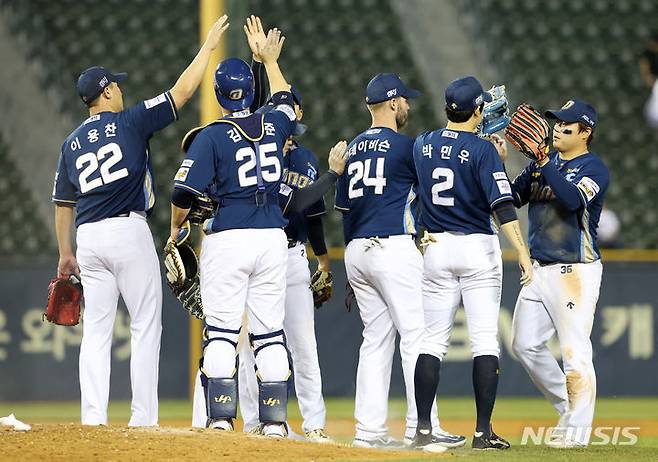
x=360, y=170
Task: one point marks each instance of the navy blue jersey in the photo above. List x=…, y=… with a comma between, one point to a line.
x=300, y=170
x=556, y=233
x=376, y=193
x=105, y=166
x=461, y=178
x=221, y=161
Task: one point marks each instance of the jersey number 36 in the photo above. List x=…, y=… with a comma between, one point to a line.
x=92, y=161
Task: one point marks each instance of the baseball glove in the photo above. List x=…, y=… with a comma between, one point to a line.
x=182, y=267
x=64, y=301
x=322, y=285
x=495, y=113
x=203, y=207
x=529, y=133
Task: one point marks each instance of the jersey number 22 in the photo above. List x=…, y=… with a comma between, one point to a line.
x=92, y=161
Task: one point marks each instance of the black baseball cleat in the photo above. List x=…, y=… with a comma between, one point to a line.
x=490, y=441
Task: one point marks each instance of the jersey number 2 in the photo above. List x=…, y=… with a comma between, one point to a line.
x=92, y=159
x=359, y=170
x=245, y=175
x=447, y=181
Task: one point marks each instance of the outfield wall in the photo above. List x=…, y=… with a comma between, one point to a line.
x=39, y=361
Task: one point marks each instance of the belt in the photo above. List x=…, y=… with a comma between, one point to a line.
x=127, y=214
x=546, y=263
x=259, y=199
x=390, y=236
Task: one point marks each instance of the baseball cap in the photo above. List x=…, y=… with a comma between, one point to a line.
x=383, y=87
x=94, y=80
x=465, y=94
x=575, y=110
x=296, y=95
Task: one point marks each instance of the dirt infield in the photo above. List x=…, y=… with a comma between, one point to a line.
x=174, y=440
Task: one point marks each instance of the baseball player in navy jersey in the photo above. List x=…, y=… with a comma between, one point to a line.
x=565, y=194
x=462, y=182
x=105, y=175
x=239, y=160
x=300, y=170
x=384, y=267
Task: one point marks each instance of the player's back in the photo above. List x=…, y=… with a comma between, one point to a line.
x=377, y=188
x=222, y=155
x=460, y=179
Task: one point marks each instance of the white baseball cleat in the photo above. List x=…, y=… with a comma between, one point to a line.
x=221, y=424
x=383, y=442
x=12, y=421
x=274, y=430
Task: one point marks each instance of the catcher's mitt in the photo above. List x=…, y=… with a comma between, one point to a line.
x=182, y=267
x=529, y=133
x=322, y=285
x=495, y=113
x=64, y=301
x=203, y=207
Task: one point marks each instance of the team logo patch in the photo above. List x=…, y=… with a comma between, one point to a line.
x=392, y=92
x=589, y=187
x=504, y=187
x=568, y=104
x=284, y=189
x=235, y=94
x=499, y=176
x=181, y=174
x=187, y=163
x=149, y=103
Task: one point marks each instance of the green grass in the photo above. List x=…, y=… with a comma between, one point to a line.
x=450, y=408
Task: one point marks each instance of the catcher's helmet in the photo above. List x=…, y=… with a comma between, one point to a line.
x=234, y=84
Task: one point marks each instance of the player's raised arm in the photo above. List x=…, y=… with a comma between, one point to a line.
x=269, y=53
x=191, y=77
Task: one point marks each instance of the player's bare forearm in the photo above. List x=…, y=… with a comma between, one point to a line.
x=67, y=263
x=190, y=79
x=178, y=216
x=63, y=224
x=323, y=262
x=514, y=235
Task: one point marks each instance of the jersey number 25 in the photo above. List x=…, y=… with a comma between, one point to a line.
x=92, y=160
x=360, y=170
x=246, y=171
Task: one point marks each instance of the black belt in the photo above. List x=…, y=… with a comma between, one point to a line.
x=258, y=199
x=546, y=263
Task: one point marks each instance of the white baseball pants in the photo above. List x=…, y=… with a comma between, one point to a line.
x=386, y=275
x=117, y=257
x=561, y=299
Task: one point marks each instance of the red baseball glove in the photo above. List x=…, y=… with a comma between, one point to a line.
x=64, y=301
x=529, y=133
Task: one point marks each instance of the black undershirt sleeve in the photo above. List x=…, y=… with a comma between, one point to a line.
x=182, y=198
x=315, y=232
x=504, y=212
x=301, y=199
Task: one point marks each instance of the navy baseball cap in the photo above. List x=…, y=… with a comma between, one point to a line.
x=575, y=110
x=94, y=80
x=465, y=94
x=383, y=87
x=296, y=95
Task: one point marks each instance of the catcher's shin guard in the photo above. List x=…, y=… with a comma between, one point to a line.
x=272, y=402
x=221, y=398
x=272, y=395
